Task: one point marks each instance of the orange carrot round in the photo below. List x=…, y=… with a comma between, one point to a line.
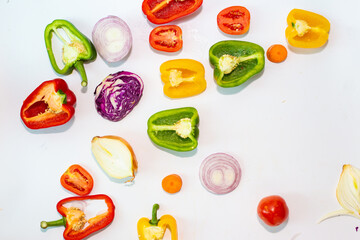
x=276, y=53
x=172, y=183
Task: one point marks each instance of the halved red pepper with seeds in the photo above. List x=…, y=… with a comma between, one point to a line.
x=77, y=180
x=234, y=20
x=167, y=38
x=79, y=217
x=164, y=11
x=49, y=105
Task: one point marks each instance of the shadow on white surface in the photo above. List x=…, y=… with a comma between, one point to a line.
x=273, y=229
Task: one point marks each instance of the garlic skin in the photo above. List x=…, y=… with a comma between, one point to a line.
x=347, y=193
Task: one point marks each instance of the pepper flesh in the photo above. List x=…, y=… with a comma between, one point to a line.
x=183, y=78
x=77, y=48
x=164, y=11
x=77, y=180
x=175, y=129
x=155, y=229
x=306, y=29
x=77, y=226
x=49, y=105
x=236, y=61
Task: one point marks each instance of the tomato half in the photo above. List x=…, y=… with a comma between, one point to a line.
x=234, y=20
x=166, y=38
x=273, y=210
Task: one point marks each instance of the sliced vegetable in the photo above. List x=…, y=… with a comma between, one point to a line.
x=49, y=105
x=172, y=183
x=236, y=61
x=118, y=94
x=164, y=11
x=77, y=180
x=183, y=78
x=306, y=29
x=76, y=49
x=347, y=193
x=273, y=210
x=220, y=173
x=79, y=220
x=167, y=38
x=276, y=53
x=115, y=156
x=234, y=20
x=155, y=228
x=112, y=38
x=175, y=129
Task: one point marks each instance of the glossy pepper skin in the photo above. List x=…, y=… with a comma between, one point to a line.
x=175, y=129
x=164, y=11
x=76, y=225
x=49, y=105
x=76, y=50
x=306, y=29
x=183, y=78
x=77, y=180
x=154, y=229
x=235, y=61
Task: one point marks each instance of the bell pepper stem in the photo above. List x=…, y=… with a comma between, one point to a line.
x=60, y=222
x=154, y=220
x=80, y=67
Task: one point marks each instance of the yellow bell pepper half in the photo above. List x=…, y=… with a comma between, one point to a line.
x=306, y=29
x=183, y=78
x=154, y=229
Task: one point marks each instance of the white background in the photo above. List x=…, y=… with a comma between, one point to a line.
x=291, y=128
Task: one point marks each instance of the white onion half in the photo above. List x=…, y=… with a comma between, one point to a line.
x=220, y=173
x=112, y=38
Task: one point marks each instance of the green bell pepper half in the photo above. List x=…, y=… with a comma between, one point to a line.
x=235, y=61
x=77, y=48
x=175, y=129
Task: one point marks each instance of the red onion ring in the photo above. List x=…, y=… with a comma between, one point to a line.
x=112, y=38
x=220, y=173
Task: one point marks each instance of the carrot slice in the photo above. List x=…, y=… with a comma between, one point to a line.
x=276, y=53
x=172, y=183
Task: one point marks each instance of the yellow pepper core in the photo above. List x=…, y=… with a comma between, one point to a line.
x=155, y=229
x=176, y=78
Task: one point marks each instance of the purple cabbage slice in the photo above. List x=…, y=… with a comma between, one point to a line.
x=118, y=94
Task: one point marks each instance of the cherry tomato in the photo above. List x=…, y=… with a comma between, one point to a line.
x=234, y=20
x=166, y=38
x=273, y=210
x=276, y=53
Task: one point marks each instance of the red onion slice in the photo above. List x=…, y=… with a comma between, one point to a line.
x=220, y=173
x=112, y=38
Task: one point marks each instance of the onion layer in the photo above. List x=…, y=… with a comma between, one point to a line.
x=220, y=173
x=112, y=38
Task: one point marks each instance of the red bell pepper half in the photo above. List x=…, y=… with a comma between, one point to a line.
x=77, y=180
x=164, y=11
x=77, y=224
x=49, y=105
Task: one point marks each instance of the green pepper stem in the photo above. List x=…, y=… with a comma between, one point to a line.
x=154, y=220
x=80, y=67
x=60, y=222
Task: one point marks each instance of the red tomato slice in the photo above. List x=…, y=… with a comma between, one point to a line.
x=234, y=20
x=167, y=38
